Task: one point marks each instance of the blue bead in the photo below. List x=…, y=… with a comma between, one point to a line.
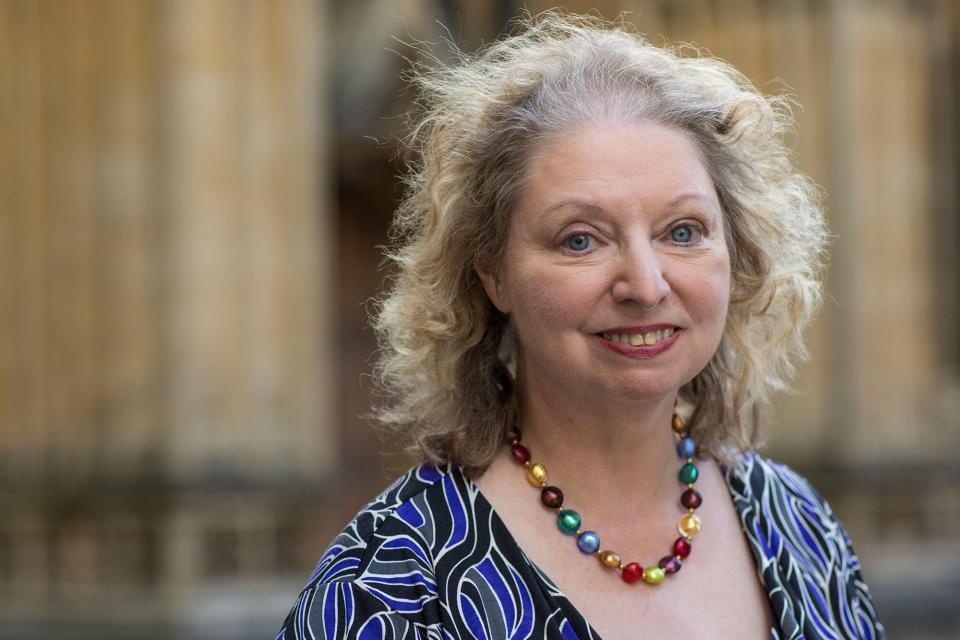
x=686, y=447
x=588, y=542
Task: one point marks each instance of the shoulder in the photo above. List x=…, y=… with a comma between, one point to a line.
x=401, y=502
x=757, y=477
x=378, y=575
x=804, y=553
x=785, y=509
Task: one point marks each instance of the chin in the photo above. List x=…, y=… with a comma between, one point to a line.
x=642, y=391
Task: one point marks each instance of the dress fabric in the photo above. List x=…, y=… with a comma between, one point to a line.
x=430, y=558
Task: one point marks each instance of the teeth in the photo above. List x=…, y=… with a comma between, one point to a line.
x=640, y=339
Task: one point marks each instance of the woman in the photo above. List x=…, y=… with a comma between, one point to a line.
x=606, y=260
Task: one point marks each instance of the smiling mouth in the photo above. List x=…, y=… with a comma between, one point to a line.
x=649, y=338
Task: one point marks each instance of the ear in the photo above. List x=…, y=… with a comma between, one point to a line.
x=492, y=285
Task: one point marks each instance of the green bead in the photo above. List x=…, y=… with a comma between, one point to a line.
x=568, y=521
x=689, y=473
x=653, y=575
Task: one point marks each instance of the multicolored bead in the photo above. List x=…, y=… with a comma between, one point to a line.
x=691, y=499
x=588, y=542
x=552, y=497
x=537, y=475
x=633, y=572
x=520, y=453
x=610, y=559
x=682, y=547
x=689, y=473
x=690, y=525
x=568, y=521
x=670, y=564
x=653, y=575
x=678, y=425
x=686, y=447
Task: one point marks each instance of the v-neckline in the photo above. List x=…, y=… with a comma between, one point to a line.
x=551, y=585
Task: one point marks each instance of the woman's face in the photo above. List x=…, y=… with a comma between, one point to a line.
x=616, y=272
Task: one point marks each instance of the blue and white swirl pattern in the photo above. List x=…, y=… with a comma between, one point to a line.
x=429, y=558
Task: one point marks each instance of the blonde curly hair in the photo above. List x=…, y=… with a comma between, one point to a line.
x=441, y=377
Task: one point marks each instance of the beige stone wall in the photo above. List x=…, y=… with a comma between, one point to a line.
x=164, y=261
x=167, y=394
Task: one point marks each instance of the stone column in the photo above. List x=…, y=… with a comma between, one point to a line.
x=882, y=282
x=245, y=235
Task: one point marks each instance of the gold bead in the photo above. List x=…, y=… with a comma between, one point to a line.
x=610, y=559
x=678, y=424
x=689, y=525
x=537, y=475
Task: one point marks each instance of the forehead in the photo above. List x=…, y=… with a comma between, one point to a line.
x=617, y=165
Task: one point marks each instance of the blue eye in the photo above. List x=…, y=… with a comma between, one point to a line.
x=682, y=234
x=578, y=242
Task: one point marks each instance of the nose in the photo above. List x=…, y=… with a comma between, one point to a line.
x=640, y=278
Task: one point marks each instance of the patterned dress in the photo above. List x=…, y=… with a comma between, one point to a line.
x=430, y=558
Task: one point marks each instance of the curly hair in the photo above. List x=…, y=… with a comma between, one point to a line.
x=441, y=376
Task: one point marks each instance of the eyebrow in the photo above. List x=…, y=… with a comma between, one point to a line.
x=695, y=195
x=587, y=204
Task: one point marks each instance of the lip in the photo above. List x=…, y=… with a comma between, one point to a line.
x=640, y=352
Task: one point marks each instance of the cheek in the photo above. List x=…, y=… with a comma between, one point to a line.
x=546, y=297
x=717, y=292
x=706, y=288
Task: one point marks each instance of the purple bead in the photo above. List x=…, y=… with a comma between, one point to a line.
x=670, y=564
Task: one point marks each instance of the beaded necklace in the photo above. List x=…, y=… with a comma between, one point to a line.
x=568, y=520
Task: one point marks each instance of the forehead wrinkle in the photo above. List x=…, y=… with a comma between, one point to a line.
x=629, y=184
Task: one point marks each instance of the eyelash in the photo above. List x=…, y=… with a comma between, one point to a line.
x=566, y=239
x=696, y=229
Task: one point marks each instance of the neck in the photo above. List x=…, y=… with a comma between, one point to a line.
x=618, y=457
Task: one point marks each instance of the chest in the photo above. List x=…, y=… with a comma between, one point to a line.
x=712, y=604
x=717, y=594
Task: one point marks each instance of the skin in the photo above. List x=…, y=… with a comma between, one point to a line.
x=630, y=192
x=620, y=226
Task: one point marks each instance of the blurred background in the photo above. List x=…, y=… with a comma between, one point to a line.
x=192, y=195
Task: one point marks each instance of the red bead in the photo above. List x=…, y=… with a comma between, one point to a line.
x=632, y=572
x=670, y=564
x=691, y=499
x=552, y=497
x=682, y=548
x=513, y=434
x=520, y=453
